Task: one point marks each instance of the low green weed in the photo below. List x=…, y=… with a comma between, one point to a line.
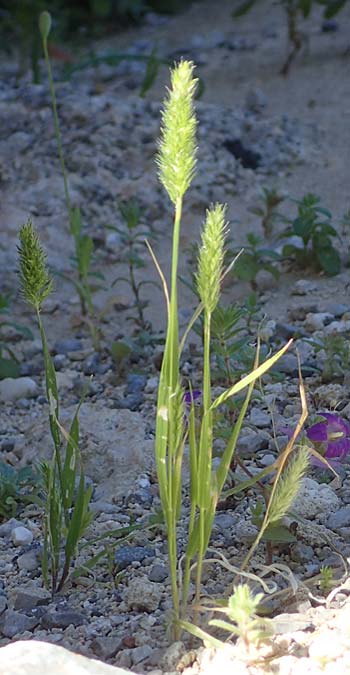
x=254, y=258
x=241, y=611
x=294, y=11
x=133, y=243
x=18, y=487
x=313, y=224
x=270, y=201
x=336, y=363
x=67, y=514
x=82, y=242
x=177, y=162
x=9, y=365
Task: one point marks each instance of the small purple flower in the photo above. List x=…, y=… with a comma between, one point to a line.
x=193, y=395
x=331, y=436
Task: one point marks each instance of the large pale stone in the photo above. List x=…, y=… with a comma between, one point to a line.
x=40, y=658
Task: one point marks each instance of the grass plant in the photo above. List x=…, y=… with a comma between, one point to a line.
x=82, y=242
x=176, y=163
x=67, y=499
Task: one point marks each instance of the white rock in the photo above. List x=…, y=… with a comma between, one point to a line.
x=41, y=658
x=315, y=500
x=21, y=536
x=12, y=388
x=317, y=321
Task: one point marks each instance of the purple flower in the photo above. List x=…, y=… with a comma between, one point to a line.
x=193, y=395
x=331, y=436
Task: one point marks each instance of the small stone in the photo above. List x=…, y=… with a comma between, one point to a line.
x=303, y=287
x=91, y=364
x=60, y=361
x=267, y=460
x=259, y=418
x=30, y=596
x=62, y=619
x=317, y=321
x=302, y=552
x=3, y=604
x=29, y=561
x=255, y=100
x=21, y=536
x=249, y=443
x=13, y=623
x=329, y=26
x=142, y=595
x=224, y=521
x=6, y=528
x=125, y=555
x=67, y=345
x=339, y=519
x=158, y=573
x=315, y=500
x=140, y=654
x=151, y=385
x=135, y=384
x=106, y=647
x=113, y=241
x=12, y=389
x=172, y=656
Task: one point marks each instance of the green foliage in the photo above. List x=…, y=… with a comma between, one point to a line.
x=132, y=238
x=9, y=366
x=243, y=621
x=326, y=579
x=313, y=224
x=337, y=356
x=294, y=10
x=255, y=257
x=18, y=487
x=82, y=242
x=271, y=199
x=66, y=506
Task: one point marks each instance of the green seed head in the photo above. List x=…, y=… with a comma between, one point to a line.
x=211, y=257
x=176, y=157
x=289, y=484
x=35, y=279
x=45, y=25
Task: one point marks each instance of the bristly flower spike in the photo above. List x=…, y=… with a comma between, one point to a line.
x=211, y=257
x=35, y=278
x=176, y=157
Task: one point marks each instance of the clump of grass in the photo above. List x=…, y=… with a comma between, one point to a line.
x=177, y=163
x=67, y=514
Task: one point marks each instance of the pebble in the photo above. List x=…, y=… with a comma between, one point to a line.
x=339, y=519
x=67, y=345
x=106, y=647
x=21, y=536
x=255, y=100
x=318, y=320
x=303, y=287
x=302, y=552
x=142, y=595
x=29, y=561
x=91, y=364
x=140, y=653
x=158, y=573
x=135, y=384
x=315, y=500
x=12, y=389
x=249, y=443
x=151, y=385
x=3, y=604
x=125, y=555
x=62, y=619
x=259, y=418
x=29, y=596
x=13, y=623
x=224, y=521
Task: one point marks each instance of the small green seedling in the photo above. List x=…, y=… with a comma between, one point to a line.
x=9, y=365
x=67, y=514
x=18, y=487
x=243, y=621
x=326, y=579
x=313, y=224
x=82, y=242
x=254, y=258
x=271, y=199
x=133, y=238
